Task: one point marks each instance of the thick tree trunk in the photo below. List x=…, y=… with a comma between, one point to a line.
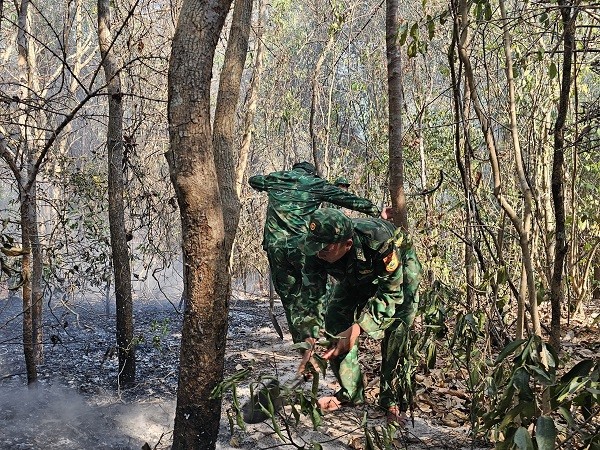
x=116, y=207
x=396, y=159
x=205, y=260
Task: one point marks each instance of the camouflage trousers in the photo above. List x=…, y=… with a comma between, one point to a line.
x=286, y=272
x=343, y=307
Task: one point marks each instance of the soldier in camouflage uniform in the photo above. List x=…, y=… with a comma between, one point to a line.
x=378, y=276
x=293, y=196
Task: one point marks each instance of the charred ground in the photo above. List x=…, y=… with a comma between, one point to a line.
x=78, y=405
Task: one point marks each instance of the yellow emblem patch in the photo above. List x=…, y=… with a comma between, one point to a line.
x=391, y=262
x=312, y=226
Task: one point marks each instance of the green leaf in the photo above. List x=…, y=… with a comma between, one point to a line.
x=545, y=433
x=510, y=415
x=315, y=417
x=430, y=27
x=506, y=400
x=431, y=355
x=540, y=374
x=488, y=11
x=522, y=439
x=581, y=369
x=403, y=33
x=552, y=70
x=412, y=49
x=414, y=31
x=571, y=388
x=302, y=346
x=567, y=415
x=510, y=348
x=551, y=355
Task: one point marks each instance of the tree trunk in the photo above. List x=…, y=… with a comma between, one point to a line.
x=558, y=195
x=193, y=174
x=596, y=284
x=252, y=101
x=32, y=262
x=527, y=282
x=28, y=336
x=224, y=136
x=314, y=105
x=461, y=23
x=396, y=160
x=116, y=207
x=464, y=167
x=37, y=292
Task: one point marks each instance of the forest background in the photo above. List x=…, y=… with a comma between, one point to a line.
x=491, y=140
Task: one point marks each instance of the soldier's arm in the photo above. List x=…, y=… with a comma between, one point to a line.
x=379, y=311
x=397, y=296
x=341, y=197
x=307, y=314
x=258, y=182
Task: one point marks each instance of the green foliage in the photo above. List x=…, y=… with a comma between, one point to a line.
x=426, y=26
x=434, y=311
x=231, y=384
x=267, y=396
x=159, y=331
x=379, y=438
x=524, y=376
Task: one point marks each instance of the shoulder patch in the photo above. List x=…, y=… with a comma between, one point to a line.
x=391, y=262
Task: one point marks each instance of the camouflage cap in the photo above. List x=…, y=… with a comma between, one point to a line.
x=326, y=226
x=342, y=181
x=306, y=166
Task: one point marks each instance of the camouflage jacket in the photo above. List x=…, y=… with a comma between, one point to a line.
x=293, y=196
x=378, y=257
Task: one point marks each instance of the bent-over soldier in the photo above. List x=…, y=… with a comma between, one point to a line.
x=293, y=196
x=378, y=275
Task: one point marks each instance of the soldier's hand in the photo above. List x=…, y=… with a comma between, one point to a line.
x=307, y=355
x=345, y=341
x=387, y=213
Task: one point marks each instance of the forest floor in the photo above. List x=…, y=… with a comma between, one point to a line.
x=77, y=404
